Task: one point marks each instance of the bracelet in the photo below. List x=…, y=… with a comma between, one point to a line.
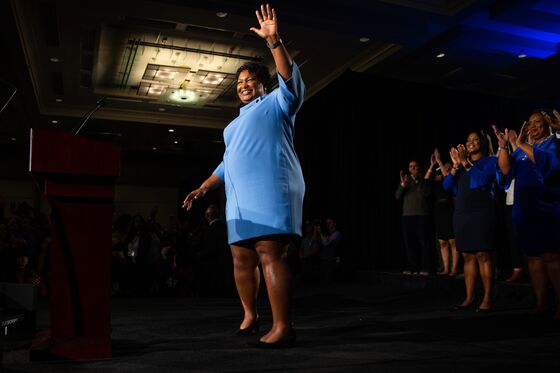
x=275, y=44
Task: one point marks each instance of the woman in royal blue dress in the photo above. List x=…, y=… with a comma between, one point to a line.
x=264, y=184
x=472, y=179
x=535, y=165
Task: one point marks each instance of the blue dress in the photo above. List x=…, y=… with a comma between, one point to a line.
x=474, y=219
x=536, y=207
x=261, y=171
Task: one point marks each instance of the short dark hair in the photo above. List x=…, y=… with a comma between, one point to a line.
x=260, y=70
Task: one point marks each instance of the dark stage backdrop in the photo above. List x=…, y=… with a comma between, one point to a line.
x=354, y=136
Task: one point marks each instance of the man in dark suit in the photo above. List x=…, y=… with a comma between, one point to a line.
x=215, y=257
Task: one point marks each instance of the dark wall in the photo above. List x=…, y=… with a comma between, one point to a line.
x=354, y=137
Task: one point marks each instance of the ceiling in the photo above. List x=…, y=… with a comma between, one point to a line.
x=169, y=64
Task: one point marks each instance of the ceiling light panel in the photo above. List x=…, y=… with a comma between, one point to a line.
x=151, y=89
x=171, y=75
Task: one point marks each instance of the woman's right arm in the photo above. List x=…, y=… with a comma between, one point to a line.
x=213, y=182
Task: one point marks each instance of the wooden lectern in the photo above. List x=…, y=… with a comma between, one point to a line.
x=77, y=176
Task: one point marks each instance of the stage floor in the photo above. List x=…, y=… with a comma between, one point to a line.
x=383, y=322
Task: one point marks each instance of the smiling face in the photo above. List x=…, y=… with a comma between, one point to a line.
x=473, y=143
x=537, y=127
x=249, y=87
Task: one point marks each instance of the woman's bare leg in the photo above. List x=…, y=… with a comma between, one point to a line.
x=273, y=257
x=455, y=257
x=470, y=268
x=247, y=277
x=444, y=251
x=539, y=280
x=486, y=265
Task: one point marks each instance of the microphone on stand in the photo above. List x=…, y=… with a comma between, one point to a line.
x=11, y=96
x=100, y=103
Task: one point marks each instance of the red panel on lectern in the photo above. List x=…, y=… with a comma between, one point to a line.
x=58, y=152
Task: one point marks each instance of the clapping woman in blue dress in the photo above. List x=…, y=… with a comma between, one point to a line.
x=264, y=184
x=472, y=179
x=535, y=165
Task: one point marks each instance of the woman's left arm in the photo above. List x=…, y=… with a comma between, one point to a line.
x=269, y=31
x=547, y=159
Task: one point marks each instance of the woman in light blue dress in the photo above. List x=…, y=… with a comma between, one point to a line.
x=264, y=184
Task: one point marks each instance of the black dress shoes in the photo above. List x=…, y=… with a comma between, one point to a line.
x=286, y=341
x=251, y=329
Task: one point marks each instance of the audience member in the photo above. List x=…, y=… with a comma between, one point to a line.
x=310, y=249
x=330, y=249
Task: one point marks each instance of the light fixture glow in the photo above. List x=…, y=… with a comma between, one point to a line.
x=58, y=99
x=221, y=14
x=441, y=55
x=521, y=55
x=184, y=96
x=171, y=130
x=364, y=39
x=54, y=59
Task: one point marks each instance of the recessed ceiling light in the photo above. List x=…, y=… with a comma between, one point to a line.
x=441, y=55
x=161, y=109
x=364, y=39
x=175, y=142
x=221, y=14
x=54, y=59
x=54, y=121
x=521, y=55
x=171, y=130
x=13, y=139
x=154, y=148
x=58, y=99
